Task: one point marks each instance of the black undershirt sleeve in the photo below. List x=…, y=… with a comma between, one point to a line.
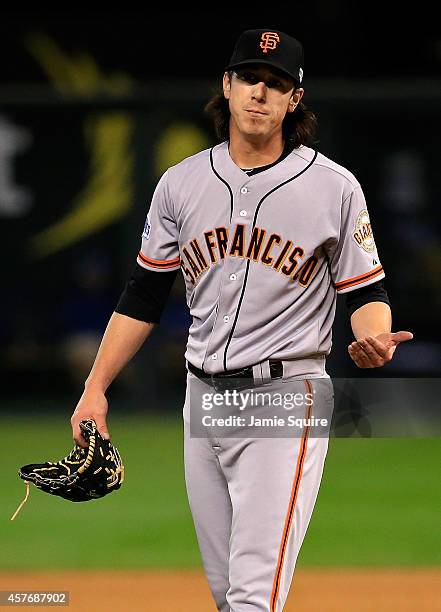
x=372, y=293
x=145, y=294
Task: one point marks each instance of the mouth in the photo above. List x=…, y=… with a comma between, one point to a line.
x=255, y=113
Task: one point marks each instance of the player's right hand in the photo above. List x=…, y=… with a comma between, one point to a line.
x=92, y=405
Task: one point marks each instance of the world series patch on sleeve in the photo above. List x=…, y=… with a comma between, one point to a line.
x=84, y=474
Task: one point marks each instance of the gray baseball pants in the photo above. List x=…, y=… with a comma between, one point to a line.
x=252, y=500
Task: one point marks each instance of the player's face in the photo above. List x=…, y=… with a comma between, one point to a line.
x=259, y=97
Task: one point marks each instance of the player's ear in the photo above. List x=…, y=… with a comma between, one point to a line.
x=227, y=85
x=295, y=98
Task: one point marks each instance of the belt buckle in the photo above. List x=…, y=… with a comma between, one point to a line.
x=214, y=383
x=220, y=385
x=227, y=384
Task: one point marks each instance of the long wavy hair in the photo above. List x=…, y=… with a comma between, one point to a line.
x=299, y=127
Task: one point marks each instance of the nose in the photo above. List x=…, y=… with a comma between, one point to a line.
x=259, y=91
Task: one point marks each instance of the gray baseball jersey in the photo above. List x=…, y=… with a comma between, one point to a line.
x=263, y=256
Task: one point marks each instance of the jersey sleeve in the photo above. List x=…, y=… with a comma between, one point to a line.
x=354, y=261
x=159, y=245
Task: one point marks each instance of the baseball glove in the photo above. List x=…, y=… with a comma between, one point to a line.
x=85, y=474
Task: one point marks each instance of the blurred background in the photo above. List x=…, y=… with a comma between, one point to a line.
x=93, y=108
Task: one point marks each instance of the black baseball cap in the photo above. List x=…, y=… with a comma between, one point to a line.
x=272, y=47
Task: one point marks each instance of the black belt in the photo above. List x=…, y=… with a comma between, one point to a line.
x=234, y=379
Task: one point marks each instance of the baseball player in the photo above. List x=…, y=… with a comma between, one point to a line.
x=266, y=231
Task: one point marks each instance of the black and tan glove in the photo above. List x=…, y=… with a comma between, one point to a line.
x=85, y=474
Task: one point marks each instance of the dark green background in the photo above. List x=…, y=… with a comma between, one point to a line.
x=379, y=503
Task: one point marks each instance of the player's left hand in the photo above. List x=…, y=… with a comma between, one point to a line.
x=373, y=352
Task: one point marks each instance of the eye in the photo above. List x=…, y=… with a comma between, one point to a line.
x=248, y=77
x=275, y=84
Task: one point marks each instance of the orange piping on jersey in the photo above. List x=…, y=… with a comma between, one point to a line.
x=292, y=504
x=357, y=280
x=157, y=263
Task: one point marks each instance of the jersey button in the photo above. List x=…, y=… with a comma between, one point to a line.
x=244, y=190
x=243, y=213
x=226, y=318
x=214, y=356
x=233, y=277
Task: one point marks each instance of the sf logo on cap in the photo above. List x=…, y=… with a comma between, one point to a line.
x=269, y=40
